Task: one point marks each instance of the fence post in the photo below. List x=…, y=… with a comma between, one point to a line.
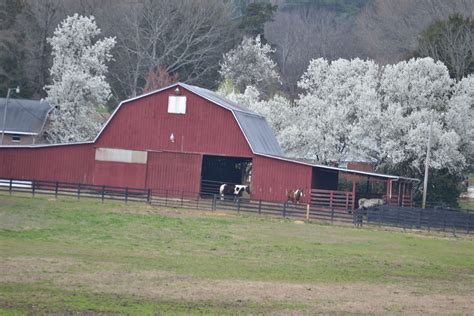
x=33, y=187
x=429, y=220
x=103, y=193
x=332, y=216
x=182, y=198
x=259, y=207
x=284, y=210
x=56, y=188
x=126, y=195
x=238, y=205
x=213, y=202
x=307, y=212
x=469, y=223
x=330, y=199
x=398, y=217
x=148, y=196
x=78, y=191
x=444, y=221
x=10, y=186
x=419, y=218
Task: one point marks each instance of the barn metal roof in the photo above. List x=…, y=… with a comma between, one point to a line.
x=352, y=171
x=254, y=126
x=24, y=116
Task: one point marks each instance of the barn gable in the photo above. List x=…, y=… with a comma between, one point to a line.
x=253, y=127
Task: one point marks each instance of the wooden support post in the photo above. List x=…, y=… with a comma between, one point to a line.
x=404, y=186
x=331, y=197
x=148, y=196
x=33, y=187
x=353, y=193
x=78, y=191
x=103, y=193
x=284, y=210
x=367, y=187
x=259, y=207
x=56, y=187
x=10, y=186
x=399, y=201
x=126, y=195
x=307, y=212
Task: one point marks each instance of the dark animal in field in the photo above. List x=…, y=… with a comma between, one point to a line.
x=233, y=189
x=294, y=195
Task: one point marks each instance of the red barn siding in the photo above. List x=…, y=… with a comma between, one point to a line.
x=120, y=174
x=174, y=171
x=145, y=124
x=68, y=163
x=272, y=178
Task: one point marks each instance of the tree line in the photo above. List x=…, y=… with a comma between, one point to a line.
x=280, y=58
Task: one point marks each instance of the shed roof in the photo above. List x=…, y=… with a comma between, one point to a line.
x=352, y=171
x=24, y=116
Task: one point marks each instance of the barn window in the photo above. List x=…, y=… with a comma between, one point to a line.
x=177, y=104
x=16, y=138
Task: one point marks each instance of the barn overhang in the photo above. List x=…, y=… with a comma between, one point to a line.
x=374, y=175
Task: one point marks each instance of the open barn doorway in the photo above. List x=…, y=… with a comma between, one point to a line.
x=217, y=170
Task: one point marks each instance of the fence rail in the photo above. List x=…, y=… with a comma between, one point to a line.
x=332, y=199
x=447, y=220
x=79, y=190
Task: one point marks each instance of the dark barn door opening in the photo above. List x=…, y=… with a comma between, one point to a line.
x=217, y=170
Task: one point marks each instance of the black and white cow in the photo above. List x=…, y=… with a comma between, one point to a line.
x=233, y=189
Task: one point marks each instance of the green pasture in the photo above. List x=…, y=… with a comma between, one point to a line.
x=70, y=256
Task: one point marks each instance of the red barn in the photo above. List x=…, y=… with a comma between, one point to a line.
x=181, y=138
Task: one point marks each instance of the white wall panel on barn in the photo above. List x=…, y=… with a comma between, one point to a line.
x=121, y=155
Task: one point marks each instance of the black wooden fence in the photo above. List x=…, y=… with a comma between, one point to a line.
x=78, y=190
x=447, y=220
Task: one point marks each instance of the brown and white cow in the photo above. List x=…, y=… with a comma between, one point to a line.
x=233, y=189
x=294, y=195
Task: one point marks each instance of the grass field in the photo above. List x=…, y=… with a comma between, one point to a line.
x=67, y=256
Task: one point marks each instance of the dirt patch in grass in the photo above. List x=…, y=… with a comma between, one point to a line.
x=30, y=269
x=353, y=298
x=432, y=298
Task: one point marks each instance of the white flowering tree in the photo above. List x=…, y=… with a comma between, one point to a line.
x=412, y=94
x=337, y=97
x=250, y=64
x=460, y=116
x=78, y=79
